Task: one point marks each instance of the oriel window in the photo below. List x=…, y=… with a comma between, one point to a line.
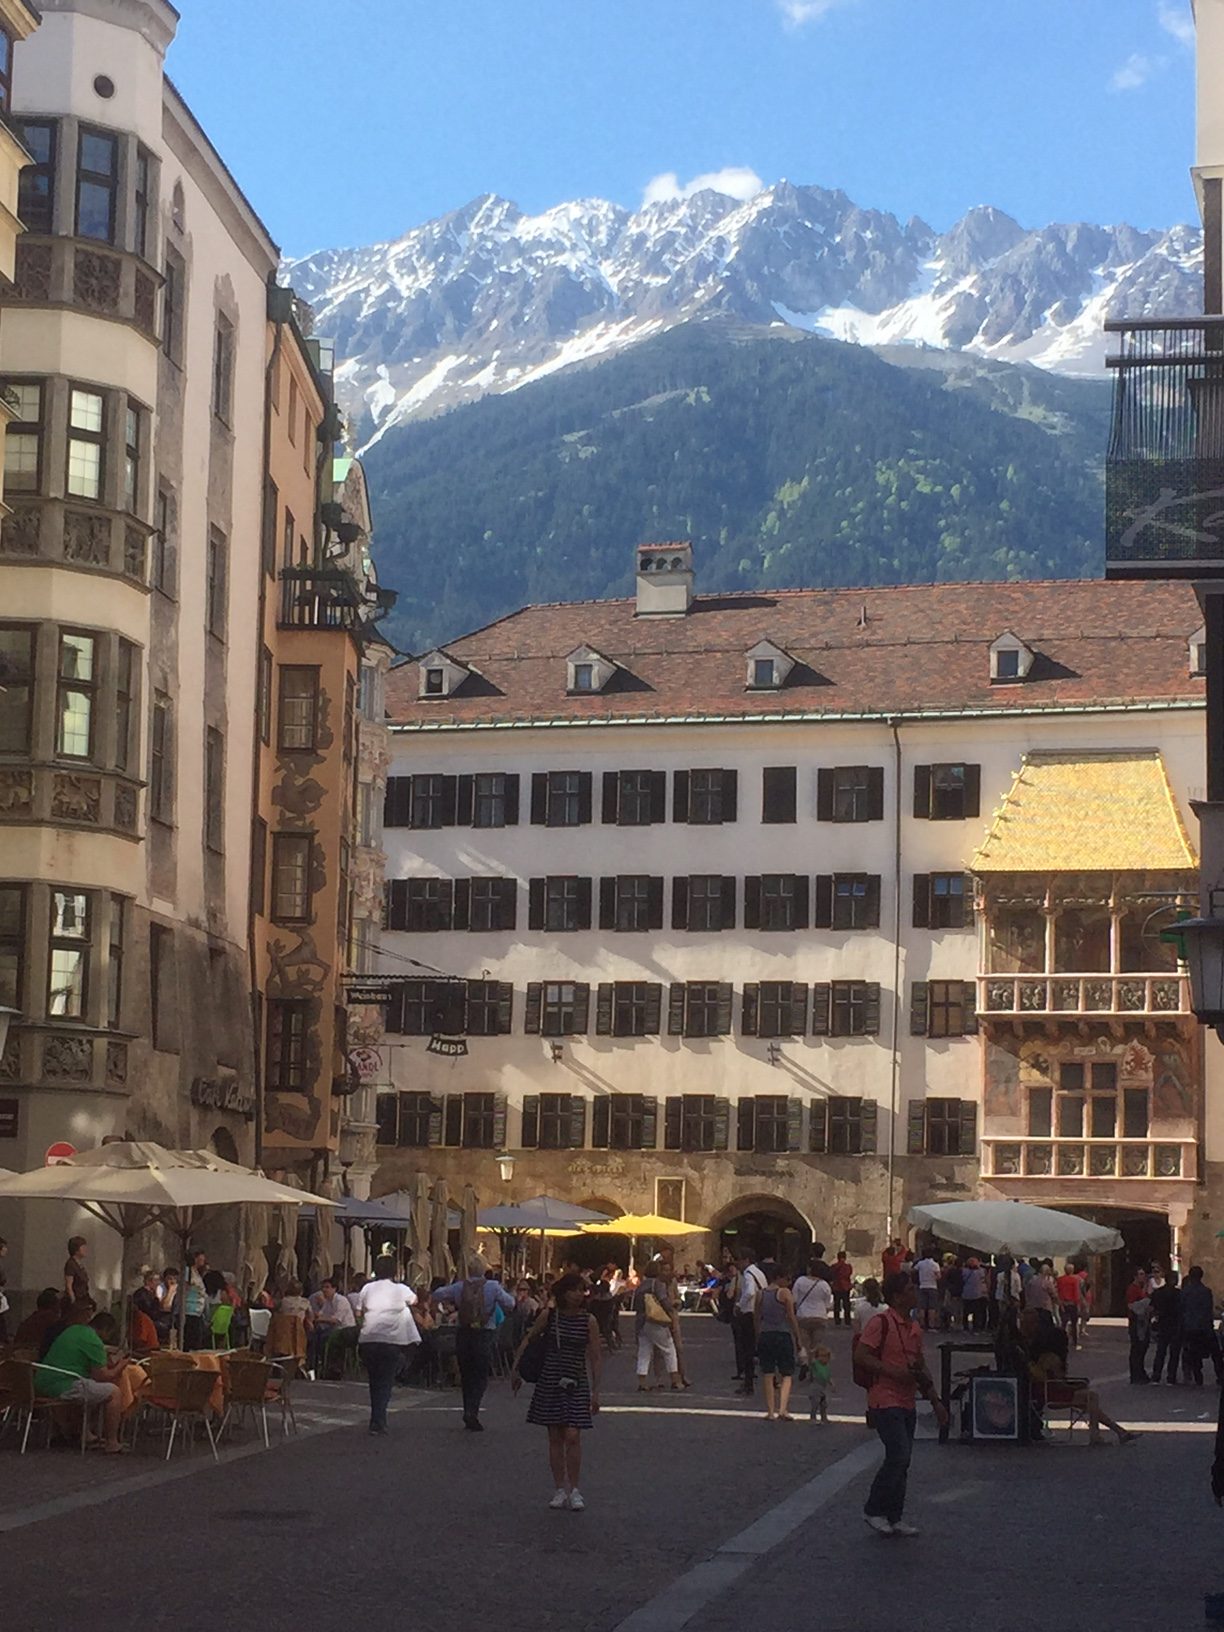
x=97, y=185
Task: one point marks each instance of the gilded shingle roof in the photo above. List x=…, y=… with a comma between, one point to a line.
x=1088, y=812
x=883, y=651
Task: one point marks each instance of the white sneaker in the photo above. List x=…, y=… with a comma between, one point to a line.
x=879, y=1523
x=903, y=1529
x=560, y=1499
x=576, y=1501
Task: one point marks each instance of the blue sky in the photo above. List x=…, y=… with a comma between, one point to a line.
x=349, y=121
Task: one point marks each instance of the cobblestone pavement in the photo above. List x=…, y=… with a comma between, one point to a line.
x=700, y=1516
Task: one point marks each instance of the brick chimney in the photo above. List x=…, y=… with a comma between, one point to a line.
x=664, y=580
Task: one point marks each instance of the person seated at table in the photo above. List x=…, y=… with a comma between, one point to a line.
x=147, y=1303
x=35, y=1326
x=330, y=1313
x=169, y=1297
x=78, y=1372
x=107, y=1327
x=289, y=1330
x=61, y=1326
x=1047, y=1350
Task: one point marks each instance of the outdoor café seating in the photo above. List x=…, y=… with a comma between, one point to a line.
x=184, y=1396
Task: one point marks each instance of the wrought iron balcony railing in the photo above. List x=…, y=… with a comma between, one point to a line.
x=1164, y=469
x=319, y=598
x=1036, y=997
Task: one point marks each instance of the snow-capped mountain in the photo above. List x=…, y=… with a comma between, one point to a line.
x=487, y=298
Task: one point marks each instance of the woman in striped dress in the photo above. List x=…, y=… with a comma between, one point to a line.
x=567, y=1394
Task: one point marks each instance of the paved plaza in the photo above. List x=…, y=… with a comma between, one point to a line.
x=701, y=1515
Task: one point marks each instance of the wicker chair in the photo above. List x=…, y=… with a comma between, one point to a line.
x=19, y=1394
x=188, y=1400
x=249, y=1388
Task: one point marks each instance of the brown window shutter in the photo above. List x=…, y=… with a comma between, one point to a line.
x=752, y=903
x=584, y=796
x=750, y=1008
x=673, y=1122
x=915, y=1128
x=435, y=1122
x=577, y=1122
x=675, y=1009
x=778, y=793
x=869, y=1127
x=397, y=805
x=920, y=1008
x=873, y=901
x=722, y=1124
x=969, y=1007
x=968, y=1127
x=582, y=1007
x=505, y=1010
x=680, y=796
x=658, y=796
x=539, y=798
x=601, y=1122
x=450, y=800
x=798, y=1008
x=654, y=1008
x=650, y=1122
x=822, y=999
x=454, y=1120
x=871, y=1014
x=465, y=801
x=603, y=1009
x=824, y=901
x=584, y=903
x=745, y=1123
x=507, y=907
x=973, y=790
x=922, y=900
x=730, y=795
x=728, y=903
x=535, y=903
x=500, y=1108
x=535, y=1002
x=607, y=903
x=611, y=796
x=875, y=793
x=680, y=892
x=824, y=795
x=512, y=800
x=397, y=904
x=531, y=1121
x=654, y=903
x=794, y=1123
x=818, y=1127
x=461, y=904
x=803, y=906
x=723, y=1019
x=922, y=791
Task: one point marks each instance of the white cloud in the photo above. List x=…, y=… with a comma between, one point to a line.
x=735, y=180
x=1176, y=19
x=1134, y=72
x=795, y=13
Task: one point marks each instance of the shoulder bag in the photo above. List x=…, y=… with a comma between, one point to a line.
x=531, y=1361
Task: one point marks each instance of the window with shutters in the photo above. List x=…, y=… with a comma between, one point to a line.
x=479, y=1112
x=635, y=1008
x=431, y=796
x=561, y=903
x=406, y=1120
x=636, y=798
x=845, y=1126
x=699, y=1120
x=491, y=903
x=706, y=1010
x=949, y=1128
x=947, y=793
x=708, y=796
x=556, y=1122
x=854, y=1010
x=946, y=1008
x=291, y=853
x=765, y=1124
x=856, y=901
x=489, y=799
x=947, y=900
x=709, y=903
x=559, y=1009
x=780, y=901
x=778, y=793
x=488, y=1008
x=781, y=1009
x=851, y=793
x=286, y=1063
x=429, y=904
x=627, y=1122
x=429, y=1006
x=563, y=800
x=633, y=901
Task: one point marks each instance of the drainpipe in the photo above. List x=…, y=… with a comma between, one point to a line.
x=894, y=1103
x=276, y=310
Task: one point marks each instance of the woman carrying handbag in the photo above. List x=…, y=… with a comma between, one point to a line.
x=562, y=1355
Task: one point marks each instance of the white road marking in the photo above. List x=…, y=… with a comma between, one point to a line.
x=685, y=1597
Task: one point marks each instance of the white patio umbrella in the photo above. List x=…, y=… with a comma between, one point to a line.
x=467, y=1228
x=991, y=1226
x=130, y=1185
x=421, y=1264
x=439, y=1246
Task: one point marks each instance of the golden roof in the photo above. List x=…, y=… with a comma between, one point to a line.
x=1086, y=812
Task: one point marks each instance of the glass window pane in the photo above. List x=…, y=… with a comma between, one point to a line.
x=95, y=211
x=69, y=915
x=86, y=411
x=76, y=709
x=98, y=153
x=66, y=996
x=21, y=461
x=84, y=469
x=28, y=397
x=36, y=139
x=76, y=657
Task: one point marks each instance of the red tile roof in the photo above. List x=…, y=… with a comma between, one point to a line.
x=921, y=648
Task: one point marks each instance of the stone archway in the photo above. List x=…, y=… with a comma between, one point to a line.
x=224, y=1145
x=769, y=1226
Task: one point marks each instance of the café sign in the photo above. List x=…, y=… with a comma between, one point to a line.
x=223, y=1094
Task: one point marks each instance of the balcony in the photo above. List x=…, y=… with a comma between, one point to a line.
x=1066, y=996
x=319, y=598
x=1164, y=469
x=1060, y=1159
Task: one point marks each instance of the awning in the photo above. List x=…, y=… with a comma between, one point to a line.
x=1111, y=812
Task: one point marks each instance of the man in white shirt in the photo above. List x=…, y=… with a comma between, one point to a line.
x=743, y=1321
x=813, y=1300
x=927, y=1272
x=331, y=1311
x=384, y=1306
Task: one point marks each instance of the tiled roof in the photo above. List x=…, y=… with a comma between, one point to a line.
x=896, y=650
x=1079, y=812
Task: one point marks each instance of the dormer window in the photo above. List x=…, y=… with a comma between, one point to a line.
x=440, y=675
x=1010, y=659
x=435, y=682
x=1198, y=652
x=587, y=670
x=768, y=666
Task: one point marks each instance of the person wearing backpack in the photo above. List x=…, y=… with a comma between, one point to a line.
x=477, y=1299
x=888, y=1362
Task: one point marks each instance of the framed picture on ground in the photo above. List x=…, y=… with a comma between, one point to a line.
x=996, y=1407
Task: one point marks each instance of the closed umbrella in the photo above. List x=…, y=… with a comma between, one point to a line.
x=421, y=1265
x=992, y=1226
x=439, y=1246
x=467, y=1228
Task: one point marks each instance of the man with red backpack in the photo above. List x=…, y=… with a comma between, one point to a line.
x=888, y=1362
x=478, y=1300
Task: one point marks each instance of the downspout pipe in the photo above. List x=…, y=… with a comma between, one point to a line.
x=894, y=1105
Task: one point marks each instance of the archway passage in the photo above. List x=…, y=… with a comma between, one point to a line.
x=224, y=1145
x=768, y=1227
x=1147, y=1239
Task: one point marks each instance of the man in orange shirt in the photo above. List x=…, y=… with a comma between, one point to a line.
x=841, y=1280
x=890, y=1350
x=893, y=1259
x=1070, y=1303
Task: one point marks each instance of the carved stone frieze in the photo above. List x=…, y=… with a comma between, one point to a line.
x=125, y=807
x=10, y=1060
x=134, y=553
x=76, y=798
x=16, y=790
x=145, y=303
x=116, y=1063
x=67, y=1059
x=86, y=538
x=22, y=530
x=32, y=278
x=96, y=281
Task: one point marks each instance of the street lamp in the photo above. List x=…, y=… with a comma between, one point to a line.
x=1203, y=941
x=505, y=1166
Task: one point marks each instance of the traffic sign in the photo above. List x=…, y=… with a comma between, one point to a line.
x=59, y=1153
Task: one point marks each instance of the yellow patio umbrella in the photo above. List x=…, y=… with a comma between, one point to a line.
x=644, y=1224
